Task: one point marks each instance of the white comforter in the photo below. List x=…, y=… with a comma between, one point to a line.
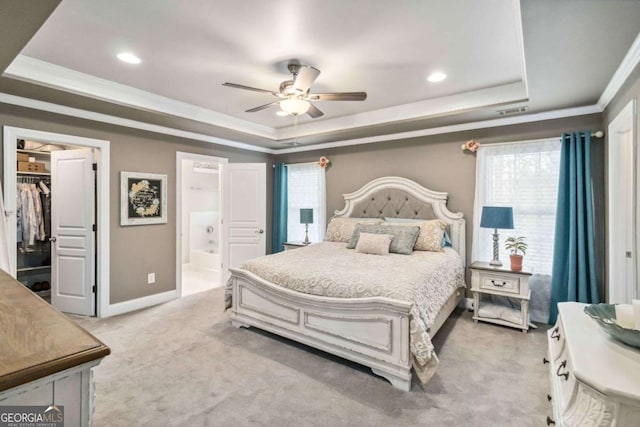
x=426, y=279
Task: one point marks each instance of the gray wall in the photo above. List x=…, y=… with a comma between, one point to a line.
x=438, y=163
x=630, y=90
x=435, y=162
x=137, y=250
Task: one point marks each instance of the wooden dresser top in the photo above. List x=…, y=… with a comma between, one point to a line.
x=36, y=340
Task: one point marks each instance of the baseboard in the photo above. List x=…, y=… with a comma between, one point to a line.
x=138, y=303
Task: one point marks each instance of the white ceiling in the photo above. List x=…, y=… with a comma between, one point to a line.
x=386, y=49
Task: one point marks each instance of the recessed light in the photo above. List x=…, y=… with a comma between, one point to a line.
x=436, y=77
x=129, y=58
x=282, y=113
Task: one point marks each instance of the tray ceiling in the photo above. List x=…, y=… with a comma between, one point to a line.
x=495, y=53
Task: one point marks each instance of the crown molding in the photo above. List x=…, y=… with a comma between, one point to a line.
x=54, y=76
x=626, y=67
x=452, y=104
x=119, y=121
x=520, y=32
x=506, y=121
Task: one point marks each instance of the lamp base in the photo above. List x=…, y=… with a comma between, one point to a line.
x=306, y=235
x=496, y=250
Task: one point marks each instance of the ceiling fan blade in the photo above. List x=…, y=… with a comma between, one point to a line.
x=262, y=107
x=314, y=112
x=338, y=96
x=255, y=89
x=305, y=78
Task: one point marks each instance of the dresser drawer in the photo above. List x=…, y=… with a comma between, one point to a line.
x=556, y=340
x=565, y=381
x=496, y=282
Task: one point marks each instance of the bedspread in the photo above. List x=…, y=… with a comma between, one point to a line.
x=425, y=279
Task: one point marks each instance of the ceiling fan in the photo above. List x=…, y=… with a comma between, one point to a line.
x=294, y=96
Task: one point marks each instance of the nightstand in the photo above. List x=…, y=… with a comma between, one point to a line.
x=489, y=280
x=293, y=245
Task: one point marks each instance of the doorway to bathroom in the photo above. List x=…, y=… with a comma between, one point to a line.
x=199, y=228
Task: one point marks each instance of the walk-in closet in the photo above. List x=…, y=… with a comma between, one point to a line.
x=33, y=220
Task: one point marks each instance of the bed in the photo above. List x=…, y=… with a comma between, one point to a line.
x=360, y=307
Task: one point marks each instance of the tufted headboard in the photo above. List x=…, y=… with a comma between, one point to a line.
x=396, y=197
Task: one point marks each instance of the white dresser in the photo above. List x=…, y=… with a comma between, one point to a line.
x=595, y=381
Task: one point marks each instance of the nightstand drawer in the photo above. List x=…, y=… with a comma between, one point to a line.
x=495, y=282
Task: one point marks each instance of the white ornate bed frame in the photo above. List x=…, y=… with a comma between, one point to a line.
x=371, y=331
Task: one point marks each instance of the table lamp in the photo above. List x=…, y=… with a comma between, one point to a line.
x=306, y=218
x=496, y=217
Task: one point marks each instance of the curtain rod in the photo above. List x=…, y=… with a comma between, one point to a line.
x=598, y=134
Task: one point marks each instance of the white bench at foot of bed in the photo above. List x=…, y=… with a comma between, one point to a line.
x=371, y=331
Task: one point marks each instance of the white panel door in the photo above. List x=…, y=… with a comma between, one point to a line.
x=244, y=213
x=622, y=286
x=72, y=219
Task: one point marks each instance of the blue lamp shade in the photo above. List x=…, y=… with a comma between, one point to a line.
x=306, y=216
x=497, y=217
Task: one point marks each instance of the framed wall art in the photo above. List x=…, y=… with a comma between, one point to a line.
x=143, y=198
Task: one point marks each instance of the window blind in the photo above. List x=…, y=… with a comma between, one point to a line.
x=306, y=190
x=525, y=177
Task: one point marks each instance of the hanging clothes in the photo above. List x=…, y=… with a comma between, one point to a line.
x=30, y=214
x=45, y=196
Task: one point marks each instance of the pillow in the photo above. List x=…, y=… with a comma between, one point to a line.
x=374, y=244
x=446, y=240
x=431, y=234
x=404, y=237
x=423, y=238
x=341, y=229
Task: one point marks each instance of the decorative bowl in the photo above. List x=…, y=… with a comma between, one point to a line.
x=605, y=315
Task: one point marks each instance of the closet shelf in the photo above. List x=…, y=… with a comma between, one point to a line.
x=35, y=173
x=41, y=267
x=44, y=153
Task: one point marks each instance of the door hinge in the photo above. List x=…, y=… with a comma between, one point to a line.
x=95, y=166
x=95, y=227
x=94, y=289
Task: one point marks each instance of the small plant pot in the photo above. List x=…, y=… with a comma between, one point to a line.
x=516, y=262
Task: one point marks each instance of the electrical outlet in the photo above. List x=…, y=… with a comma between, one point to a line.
x=151, y=278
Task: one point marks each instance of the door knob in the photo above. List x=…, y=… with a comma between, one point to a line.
x=53, y=239
x=261, y=231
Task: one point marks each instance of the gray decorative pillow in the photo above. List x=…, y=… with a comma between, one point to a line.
x=404, y=237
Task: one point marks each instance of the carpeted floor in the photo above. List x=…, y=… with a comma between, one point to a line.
x=183, y=364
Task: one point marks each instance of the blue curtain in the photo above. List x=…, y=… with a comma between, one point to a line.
x=279, y=235
x=573, y=276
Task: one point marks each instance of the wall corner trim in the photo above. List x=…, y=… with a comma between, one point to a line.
x=626, y=67
x=139, y=303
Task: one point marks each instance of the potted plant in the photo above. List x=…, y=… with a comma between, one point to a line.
x=515, y=244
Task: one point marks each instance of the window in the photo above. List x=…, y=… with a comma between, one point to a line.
x=306, y=190
x=523, y=175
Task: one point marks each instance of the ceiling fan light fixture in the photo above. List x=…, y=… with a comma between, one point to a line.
x=282, y=113
x=294, y=106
